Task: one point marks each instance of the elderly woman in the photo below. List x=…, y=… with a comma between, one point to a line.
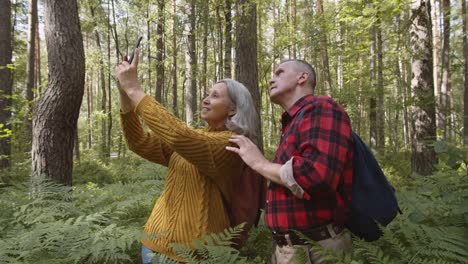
x=200, y=169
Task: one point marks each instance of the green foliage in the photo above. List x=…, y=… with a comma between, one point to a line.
x=450, y=156
x=91, y=171
x=83, y=224
x=432, y=229
x=213, y=248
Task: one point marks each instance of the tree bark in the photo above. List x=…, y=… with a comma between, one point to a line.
x=148, y=45
x=30, y=69
x=191, y=64
x=160, y=50
x=101, y=83
x=174, y=59
x=380, y=92
x=323, y=49
x=228, y=41
x=373, y=131
x=422, y=85
x=465, y=55
x=6, y=82
x=55, y=117
x=246, y=53
x=445, y=85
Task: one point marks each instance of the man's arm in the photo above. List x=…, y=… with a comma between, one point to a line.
x=252, y=156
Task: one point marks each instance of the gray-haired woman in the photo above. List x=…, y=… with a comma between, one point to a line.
x=200, y=169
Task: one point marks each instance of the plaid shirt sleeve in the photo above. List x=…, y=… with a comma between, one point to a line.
x=324, y=140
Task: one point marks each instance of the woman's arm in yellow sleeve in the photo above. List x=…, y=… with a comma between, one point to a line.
x=145, y=144
x=206, y=150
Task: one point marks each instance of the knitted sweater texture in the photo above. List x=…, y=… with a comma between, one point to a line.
x=200, y=171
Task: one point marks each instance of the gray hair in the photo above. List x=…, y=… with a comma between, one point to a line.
x=245, y=120
x=302, y=65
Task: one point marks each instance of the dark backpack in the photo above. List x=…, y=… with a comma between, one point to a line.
x=373, y=199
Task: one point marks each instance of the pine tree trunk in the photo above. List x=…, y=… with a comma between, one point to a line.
x=246, y=53
x=30, y=69
x=204, y=71
x=380, y=92
x=101, y=83
x=220, y=39
x=465, y=57
x=6, y=82
x=228, y=42
x=37, y=63
x=191, y=64
x=55, y=117
x=373, y=131
x=148, y=45
x=422, y=85
x=160, y=50
x=174, y=59
x=445, y=85
x=324, y=49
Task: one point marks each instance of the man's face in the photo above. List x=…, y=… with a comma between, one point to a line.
x=283, y=82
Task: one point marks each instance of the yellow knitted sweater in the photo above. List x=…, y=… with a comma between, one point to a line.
x=200, y=170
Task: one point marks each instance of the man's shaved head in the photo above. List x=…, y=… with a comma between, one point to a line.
x=303, y=66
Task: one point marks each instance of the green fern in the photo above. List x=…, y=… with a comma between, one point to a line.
x=213, y=248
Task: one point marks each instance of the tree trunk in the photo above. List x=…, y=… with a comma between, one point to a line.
x=293, y=36
x=55, y=117
x=6, y=82
x=422, y=85
x=228, y=43
x=148, y=45
x=380, y=92
x=174, y=59
x=191, y=63
x=219, y=29
x=373, y=131
x=30, y=70
x=246, y=53
x=204, y=71
x=160, y=50
x=323, y=49
x=339, y=51
x=445, y=85
x=465, y=55
x=435, y=54
x=101, y=83
x=37, y=67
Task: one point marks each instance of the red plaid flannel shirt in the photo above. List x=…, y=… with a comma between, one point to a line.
x=316, y=131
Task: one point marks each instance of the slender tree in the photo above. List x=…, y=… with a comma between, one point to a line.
x=445, y=85
x=380, y=90
x=55, y=117
x=465, y=75
x=191, y=65
x=6, y=82
x=246, y=52
x=30, y=69
x=174, y=58
x=422, y=85
x=160, y=51
x=228, y=42
x=324, y=49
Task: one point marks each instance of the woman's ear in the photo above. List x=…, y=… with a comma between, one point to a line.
x=232, y=112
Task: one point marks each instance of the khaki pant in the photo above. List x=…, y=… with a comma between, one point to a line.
x=284, y=255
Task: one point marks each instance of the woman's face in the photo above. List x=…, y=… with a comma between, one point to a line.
x=217, y=106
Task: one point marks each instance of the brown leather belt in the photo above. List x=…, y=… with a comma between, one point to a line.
x=316, y=234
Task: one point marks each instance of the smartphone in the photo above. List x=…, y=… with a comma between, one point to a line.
x=137, y=44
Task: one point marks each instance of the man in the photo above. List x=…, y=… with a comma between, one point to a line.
x=311, y=174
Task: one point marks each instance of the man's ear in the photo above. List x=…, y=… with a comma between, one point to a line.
x=303, y=78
